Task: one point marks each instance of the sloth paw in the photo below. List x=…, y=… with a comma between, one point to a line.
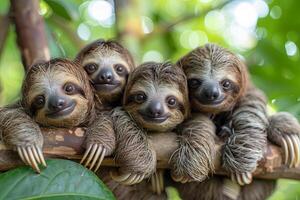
x=157, y=182
x=181, y=178
x=127, y=178
x=94, y=154
x=32, y=155
x=291, y=145
x=242, y=179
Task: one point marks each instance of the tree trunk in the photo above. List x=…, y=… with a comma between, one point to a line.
x=64, y=143
x=30, y=29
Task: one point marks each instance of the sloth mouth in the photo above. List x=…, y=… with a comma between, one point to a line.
x=211, y=102
x=62, y=112
x=107, y=87
x=152, y=119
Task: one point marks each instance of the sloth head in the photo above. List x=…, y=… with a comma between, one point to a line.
x=156, y=96
x=58, y=93
x=108, y=65
x=216, y=78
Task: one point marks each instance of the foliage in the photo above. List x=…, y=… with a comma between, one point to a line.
x=266, y=35
x=62, y=179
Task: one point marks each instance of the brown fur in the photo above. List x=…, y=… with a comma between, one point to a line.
x=243, y=111
x=197, y=135
x=132, y=139
x=58, y=71
x=19, y=124
x=105, y=54
x=215, y=189
x=280, y=124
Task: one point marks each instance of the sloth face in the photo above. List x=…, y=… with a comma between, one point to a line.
x=216, y=78
x=56, y=97
x=154, y=103
x=107, y=67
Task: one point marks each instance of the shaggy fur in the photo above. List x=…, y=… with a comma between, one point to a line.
x=104, y=55
x=196, y=135
x=243, y=105
x=19, y=123
x=220, y=188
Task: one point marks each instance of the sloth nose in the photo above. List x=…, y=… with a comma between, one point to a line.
x=56, y=103
x=211, y=92
x=106, y=76
x=155, y=109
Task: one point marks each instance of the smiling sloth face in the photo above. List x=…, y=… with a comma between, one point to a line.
x=57, y=93
x=156, y=96
x=108, y=65
x=216, y=78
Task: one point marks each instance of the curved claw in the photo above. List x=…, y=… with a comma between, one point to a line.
x=291, y=147
x=286, y=151
x=157, y=182
x=119, y=178
x=181, y=179
x=291, y=150
x=242, y=179
x=94, y=154
x=32, y=155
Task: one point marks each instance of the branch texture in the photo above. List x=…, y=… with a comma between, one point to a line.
x=67, y=144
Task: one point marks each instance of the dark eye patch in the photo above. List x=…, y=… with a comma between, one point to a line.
x=121, y=70
x=76, y=89
x=38, y=103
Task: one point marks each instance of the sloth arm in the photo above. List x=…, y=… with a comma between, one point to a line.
x=245, y=146
x=134, y=153
x=101, y=131
x=100, y=140
x=19, y=131
x=193, y=160
x=284, y=130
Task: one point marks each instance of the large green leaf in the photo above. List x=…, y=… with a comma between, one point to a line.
x=62, y=179
x=65, y=9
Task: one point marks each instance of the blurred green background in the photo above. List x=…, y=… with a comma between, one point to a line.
x=264, y=33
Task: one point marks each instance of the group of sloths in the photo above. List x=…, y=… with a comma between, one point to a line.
x=207, y=94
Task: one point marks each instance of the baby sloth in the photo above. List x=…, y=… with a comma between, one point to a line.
x=54, y=94
x=155, y=100
x=219, y=87
x=107, y=64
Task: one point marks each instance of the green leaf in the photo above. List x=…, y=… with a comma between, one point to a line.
x=65, y=9
x=62, y=179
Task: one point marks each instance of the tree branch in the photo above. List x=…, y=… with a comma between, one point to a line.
x=30, y=29
x=67, y=144
x=166, y=27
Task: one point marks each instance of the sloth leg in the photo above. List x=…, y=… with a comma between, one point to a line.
x=100, y=141
x=193, y=160
x=284, y=130
x=134, y=153
x=20, y=132
x=245, y=147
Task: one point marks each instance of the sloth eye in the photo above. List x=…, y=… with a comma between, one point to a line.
x=39, y=101
x=172, y=101
x=91, y=68
x=140, y=98
x=69, y=88
x=119, y=68
x=194, y=83
x=226, y=84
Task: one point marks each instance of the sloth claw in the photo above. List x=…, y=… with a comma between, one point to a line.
x=127, y=179
x=242, y=179
x=33, y=156
x=290, y=144
x=180, y=178
x=157, y=182
x=94, y=154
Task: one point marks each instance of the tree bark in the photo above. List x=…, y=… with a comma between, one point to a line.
x=30, y=29
x=67, y=144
